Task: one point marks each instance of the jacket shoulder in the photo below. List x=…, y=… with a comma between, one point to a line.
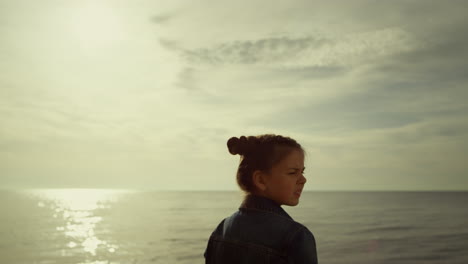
x=219, y=228
x=302, y=246
x=304, y=229
x=216, y=232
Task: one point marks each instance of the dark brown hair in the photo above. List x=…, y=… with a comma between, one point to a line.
x=259, y=152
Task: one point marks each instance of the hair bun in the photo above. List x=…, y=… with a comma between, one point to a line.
x=237, y=145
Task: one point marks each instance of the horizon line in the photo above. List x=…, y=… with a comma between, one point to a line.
x=227, y=190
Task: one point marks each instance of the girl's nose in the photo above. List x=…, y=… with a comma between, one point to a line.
x=303, y=179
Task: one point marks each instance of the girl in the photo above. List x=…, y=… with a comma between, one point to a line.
x=271, y=174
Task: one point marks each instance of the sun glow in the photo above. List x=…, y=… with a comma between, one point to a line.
x=96, y=24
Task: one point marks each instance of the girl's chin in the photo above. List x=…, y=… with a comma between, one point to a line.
x=293, y=202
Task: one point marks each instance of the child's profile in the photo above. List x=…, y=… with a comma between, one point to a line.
x=270, y=174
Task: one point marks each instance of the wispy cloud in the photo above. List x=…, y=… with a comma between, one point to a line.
x=303, y=52
x=263, y=51
x=161, y=18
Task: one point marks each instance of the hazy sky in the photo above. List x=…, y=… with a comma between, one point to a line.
x=145, y=94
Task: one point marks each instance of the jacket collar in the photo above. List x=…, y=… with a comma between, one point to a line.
x=262, y=203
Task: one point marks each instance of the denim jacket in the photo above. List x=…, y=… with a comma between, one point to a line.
x=260, y=232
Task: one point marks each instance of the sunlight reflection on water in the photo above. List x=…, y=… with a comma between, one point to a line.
x=77, y=209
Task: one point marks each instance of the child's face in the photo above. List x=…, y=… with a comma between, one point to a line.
x=286, y=181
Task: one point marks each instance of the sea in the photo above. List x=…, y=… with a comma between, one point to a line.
x=97, y=226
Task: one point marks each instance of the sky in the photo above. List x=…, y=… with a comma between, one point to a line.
x=145, y=94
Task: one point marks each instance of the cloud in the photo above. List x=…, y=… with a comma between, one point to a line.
x=169, y=44
x=262, y=51
x=303, y=52
x=161, y=18
x=186, y=79
x=412, y=151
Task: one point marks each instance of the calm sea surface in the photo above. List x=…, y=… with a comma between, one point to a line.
x=115, y=226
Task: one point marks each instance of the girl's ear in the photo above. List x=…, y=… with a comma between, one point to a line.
x=259, y=180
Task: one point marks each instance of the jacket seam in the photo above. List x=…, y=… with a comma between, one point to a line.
x=249, y=244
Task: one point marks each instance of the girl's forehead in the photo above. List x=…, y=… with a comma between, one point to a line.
x=295, y=155
x=295, y=160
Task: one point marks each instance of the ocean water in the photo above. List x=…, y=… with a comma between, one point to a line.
x=125, y=226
